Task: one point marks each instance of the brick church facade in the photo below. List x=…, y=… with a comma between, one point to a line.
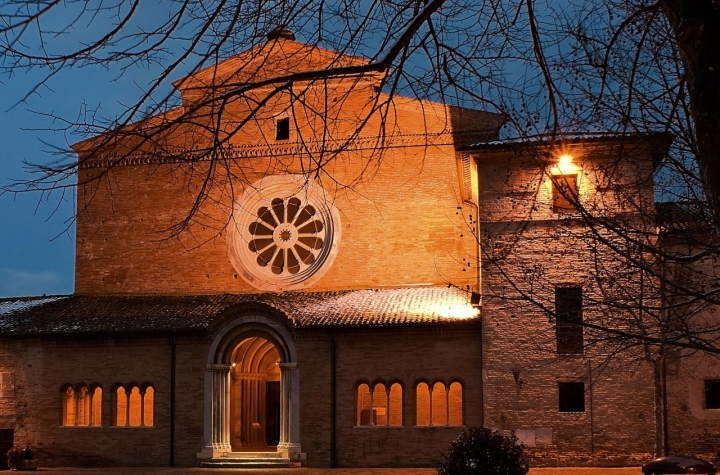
x=339, y=298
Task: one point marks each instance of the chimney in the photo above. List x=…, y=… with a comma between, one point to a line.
x=281, y=32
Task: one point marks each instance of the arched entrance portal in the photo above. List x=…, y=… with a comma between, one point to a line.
x=255, y=396
x=247, y=354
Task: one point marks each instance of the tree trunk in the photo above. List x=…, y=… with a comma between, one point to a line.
x=696, y=24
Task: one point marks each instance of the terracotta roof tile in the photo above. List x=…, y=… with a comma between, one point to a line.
x=71, y=315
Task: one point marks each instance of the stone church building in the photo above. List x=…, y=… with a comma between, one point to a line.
x=343, y=294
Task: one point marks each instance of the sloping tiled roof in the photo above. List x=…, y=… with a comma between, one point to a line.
x=275, y=58
x=186, y=314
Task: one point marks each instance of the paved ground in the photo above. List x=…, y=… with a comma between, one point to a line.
x=319, y=471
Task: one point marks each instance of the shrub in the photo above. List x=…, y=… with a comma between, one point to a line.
x=486, y=452
x=16, y=454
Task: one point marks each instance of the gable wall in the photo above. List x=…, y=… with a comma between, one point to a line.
x=403, y=222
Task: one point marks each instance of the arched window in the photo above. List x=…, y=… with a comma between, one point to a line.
x=149, y=406
x=395, y=416
x=376, y=406
x=380, y=405
x=455, y=404
x=134, y=407
x=439, y=405
x=121, y=406
x=135, y=404
x=364, y=406
x=422, y=405
x=68, y=407
x=81, y=406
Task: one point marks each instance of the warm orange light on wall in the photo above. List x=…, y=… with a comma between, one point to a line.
x=565, y=165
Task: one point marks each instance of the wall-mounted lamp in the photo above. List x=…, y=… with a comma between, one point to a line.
x=565, y=165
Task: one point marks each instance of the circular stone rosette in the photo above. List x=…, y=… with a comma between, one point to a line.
x=284, y=233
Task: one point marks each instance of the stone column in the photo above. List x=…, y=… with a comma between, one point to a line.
x=290, y=411
x=142, y=407
x=220, y=417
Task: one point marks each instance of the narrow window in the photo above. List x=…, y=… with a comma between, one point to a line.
x=439, y=405
x=68, y=396
x=121, y=406
x=379, y=409
x=83, y=405
x=712, y=394
x=422, y=405
x=455, y=404
x=564, y=193
x=571, y=397
x=96, y=419
x=282, y=129
x=568, y=320
x=396, y=405
x=134, y=412
x=364, y=405
x=149, y=407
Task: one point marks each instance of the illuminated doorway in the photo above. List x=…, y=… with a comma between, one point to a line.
x=255, y=405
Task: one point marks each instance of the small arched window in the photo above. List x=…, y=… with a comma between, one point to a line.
x=455, y=404
x=395, y=416
x=69, y=407
x=121, y=407
x=376, y=406
x=422, y=405
x=364, y=405
x=81, y=406
x=135, y=407
x=439, y=405
x=438, y=396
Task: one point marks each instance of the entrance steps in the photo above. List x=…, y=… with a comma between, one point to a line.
x=250, y=460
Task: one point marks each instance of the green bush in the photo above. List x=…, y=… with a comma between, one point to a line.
x=484, y=451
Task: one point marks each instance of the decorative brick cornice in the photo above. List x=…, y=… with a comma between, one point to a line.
x=168, y=155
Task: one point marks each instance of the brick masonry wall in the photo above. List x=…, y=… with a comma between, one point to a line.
x=407, y=357
x=391, y=356
x=398, y=205
x=528, y=251
x=45, y=368
x=692, y=428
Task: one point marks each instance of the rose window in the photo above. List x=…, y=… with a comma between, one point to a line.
x=284, y=233
x=285, y=236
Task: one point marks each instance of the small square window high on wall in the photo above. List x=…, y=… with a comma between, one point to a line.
x=571, y=397
x=568, y=320
x=282, y=129
x=712, y=394
x=564, y=193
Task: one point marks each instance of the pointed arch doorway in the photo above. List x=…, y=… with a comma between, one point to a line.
x=255, y=396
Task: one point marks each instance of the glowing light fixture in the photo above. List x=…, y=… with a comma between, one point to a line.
x=565, y=165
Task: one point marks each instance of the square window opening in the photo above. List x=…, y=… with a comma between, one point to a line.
x=712, y=394
x=282, y=129
x=571, y=397
x=564, y=193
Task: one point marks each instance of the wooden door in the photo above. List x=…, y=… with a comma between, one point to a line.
x=7, y=439
x=272, y=413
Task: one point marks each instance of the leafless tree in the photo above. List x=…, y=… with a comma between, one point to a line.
x=627, y=67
